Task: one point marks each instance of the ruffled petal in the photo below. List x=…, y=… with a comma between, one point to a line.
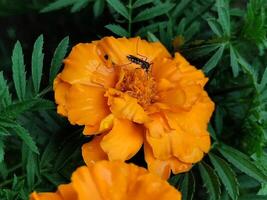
x=160, y=167
x=64, y=192
x=124, y=106
x=84, y=183
x=195, y=120
x=185, y=147
x=174, y=98
x=91, y=129
x=163, y=168
x=168, y=141
x=61, y=90
x=67, y=192
x=45, y=196
x=86, y=65
x=154, y=189
x=158, y=137
x=92, y=151
x=109, y=180
x=86, y=105
x=123, y=141
x=119, y=48
x=113, y=179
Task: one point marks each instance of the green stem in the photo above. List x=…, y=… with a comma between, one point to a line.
x=14, y=168
x=130, y=18
x=46, y=90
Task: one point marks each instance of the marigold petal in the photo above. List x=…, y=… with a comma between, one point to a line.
x=107, y=123
x=158, y=137
x=84, y=183
x=195, y=120
x=61, y=90
x=123, y=141
x=154, y=189
x=91, y=129
x=86, y=65
x=113, y=180
x=163, y=168
x=119, y=48
x=116, y=180
x=185, y=147
x=65, y=192
x=45, y=196
x=174, y=98
x=126, y=107
x=160, y=167
x=92, y=151
x=169, y=70
x=86, y=105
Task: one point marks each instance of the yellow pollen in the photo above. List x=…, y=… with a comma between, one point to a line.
x=139, y=84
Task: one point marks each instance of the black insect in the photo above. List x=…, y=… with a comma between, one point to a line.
x=143, y=63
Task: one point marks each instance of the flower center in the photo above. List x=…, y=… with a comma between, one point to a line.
x=139, y=84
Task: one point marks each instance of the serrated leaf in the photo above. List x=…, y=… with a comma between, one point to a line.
x=31, y=169
x=224, y=16
x=210, y=180
x=212, y=132
x=180, y=7
x=2, y=151
x=98, y=7
x=59, y=54
x=192, y=30
x=152, y=28
x=263, y=190
x=188, y=186
x=119, y=7
x=140, y=3
x=117, y=29
x=234, y=62
x=14, y=110
x=175, y=180
x=214, y=60
x=201, y=51
x=25, y=136
x=6, y=122
x=18, y=69
x=263, y=82
x=226, y=174
x=5, y=97
x=215, y=26
x=78, y=5
x=37, y=63
x=3, y=131
x=58, y=4
x=153, y=12
x=151, y=37
x=242, y=162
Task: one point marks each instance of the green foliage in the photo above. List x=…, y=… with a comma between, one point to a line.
x=18, y=68
x=255, y=28
x=37, y=63
x=226, y=174
x=226, y=39
x=59, y=54
x=210, y=180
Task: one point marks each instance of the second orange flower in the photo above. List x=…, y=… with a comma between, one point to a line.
x=163, y=108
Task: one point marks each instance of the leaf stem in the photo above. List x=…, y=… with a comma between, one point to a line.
x=130, y=18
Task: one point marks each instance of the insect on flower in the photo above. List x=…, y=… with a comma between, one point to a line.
x=143, y=63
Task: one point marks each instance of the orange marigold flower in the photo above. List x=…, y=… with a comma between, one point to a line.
x=112, y=180
x=129, y=93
